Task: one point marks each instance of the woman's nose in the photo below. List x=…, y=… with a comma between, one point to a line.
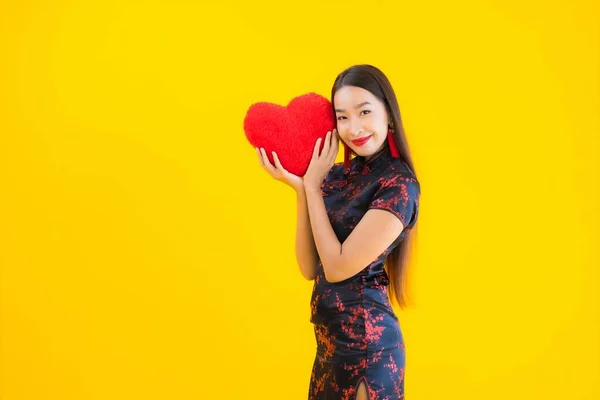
x=355, y=128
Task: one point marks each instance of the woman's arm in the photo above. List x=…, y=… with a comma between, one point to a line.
x=306, y=251
x=375, y=232
x=327, y=244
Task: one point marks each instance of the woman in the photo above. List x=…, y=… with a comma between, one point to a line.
x=354, y=218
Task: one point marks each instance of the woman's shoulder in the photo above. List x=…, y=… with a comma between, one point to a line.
x=336, y=172
x=380, y=170
x=396, y=167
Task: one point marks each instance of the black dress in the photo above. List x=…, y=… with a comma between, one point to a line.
x=357, y=332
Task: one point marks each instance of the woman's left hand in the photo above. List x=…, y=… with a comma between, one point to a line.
x=321, y=164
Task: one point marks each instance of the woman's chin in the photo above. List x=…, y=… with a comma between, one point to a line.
x=365, y=151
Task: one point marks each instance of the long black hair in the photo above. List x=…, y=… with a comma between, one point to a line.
x=374, y=80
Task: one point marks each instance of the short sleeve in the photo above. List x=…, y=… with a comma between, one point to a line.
x=398, y=194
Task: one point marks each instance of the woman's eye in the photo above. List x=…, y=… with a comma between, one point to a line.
x=363, y=111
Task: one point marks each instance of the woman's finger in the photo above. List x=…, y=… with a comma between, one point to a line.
x=278, y=163
x=316, y=149
x=262, y=164
x=267, y=162
x=325, y=151
x=335, y=145
x=331, y=148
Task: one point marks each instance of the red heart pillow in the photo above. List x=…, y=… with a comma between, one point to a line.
x=290, y=131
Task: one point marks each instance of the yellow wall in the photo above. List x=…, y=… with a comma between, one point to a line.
x=145, y=255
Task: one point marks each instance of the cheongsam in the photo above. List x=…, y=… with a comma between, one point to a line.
x=357, y=333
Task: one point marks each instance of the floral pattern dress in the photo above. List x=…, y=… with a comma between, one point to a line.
x=357, y=333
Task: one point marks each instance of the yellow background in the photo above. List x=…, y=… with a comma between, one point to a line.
x=145, y=255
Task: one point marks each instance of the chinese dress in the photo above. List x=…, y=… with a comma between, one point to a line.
x=357, y=333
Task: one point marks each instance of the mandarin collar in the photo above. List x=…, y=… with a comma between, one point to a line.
x=358, y=165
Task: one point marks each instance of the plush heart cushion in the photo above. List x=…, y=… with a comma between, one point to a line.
x=291, y=131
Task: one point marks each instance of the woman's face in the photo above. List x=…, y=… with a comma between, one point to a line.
x=360, y=115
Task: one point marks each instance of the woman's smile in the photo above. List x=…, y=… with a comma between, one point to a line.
x=361, y=141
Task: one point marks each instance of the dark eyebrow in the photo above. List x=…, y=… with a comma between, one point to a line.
x=358, y=106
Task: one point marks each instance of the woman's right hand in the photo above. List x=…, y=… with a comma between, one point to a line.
x=278, y=172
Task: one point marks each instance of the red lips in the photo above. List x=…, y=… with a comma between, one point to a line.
x=361, y=141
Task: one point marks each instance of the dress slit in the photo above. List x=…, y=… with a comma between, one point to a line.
x=362, y=379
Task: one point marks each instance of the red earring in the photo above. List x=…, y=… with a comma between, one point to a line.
x=392, y=143
x=346, y=156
